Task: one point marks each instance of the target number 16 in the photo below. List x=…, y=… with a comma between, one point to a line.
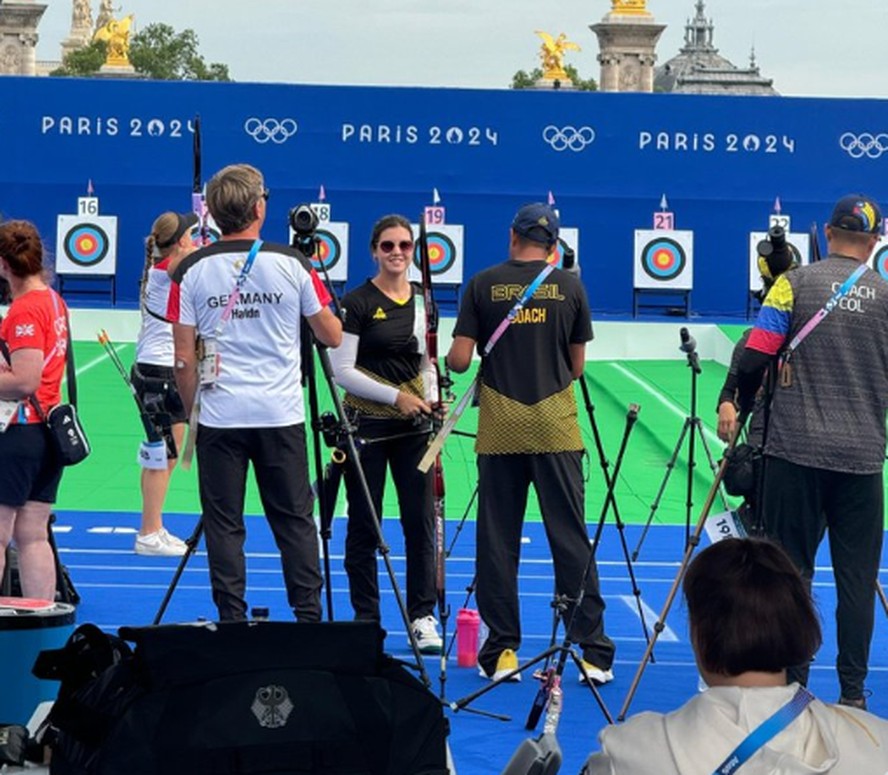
x=88, y=205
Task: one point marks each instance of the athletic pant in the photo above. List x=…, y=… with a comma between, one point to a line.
x=401, y=455
x=503, y=483
x=800, y=503
x=279, y=461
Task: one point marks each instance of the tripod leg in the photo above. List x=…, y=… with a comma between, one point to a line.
x=713, y=466
x=689, y=550
x=610, y=499
x=65, y=590
x=191, y=542
x=670, y=465
x=880, y=591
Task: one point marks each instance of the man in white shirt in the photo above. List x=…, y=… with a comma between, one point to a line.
x=243, y=301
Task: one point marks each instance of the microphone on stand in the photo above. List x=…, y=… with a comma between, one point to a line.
x=688, y=343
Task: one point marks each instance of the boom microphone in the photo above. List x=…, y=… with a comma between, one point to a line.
x=688, y=343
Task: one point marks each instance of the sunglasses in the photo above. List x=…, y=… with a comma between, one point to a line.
x=387, y=246
x=265, y=194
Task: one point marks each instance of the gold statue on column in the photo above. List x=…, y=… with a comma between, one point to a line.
x=552, y=55
x=629, y=7
x=116, y=34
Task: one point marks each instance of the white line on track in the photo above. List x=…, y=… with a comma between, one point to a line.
x=650, y=617
x=648, y=388
x=96, y=361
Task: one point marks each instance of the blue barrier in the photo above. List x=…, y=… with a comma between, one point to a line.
x=608, y=158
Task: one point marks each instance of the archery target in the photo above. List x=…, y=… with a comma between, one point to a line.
x=445, y=254
x=664, y=259
x=570, y=237
x=799, y=244
x=332, y=250
x=86, y=246
x=213, y=233
x=880, y=258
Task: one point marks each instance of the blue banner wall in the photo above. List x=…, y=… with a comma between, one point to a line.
x=608, y=159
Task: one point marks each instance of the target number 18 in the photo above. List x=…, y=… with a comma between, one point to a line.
x=88, y=205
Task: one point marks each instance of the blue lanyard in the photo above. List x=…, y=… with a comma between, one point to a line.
x=239, y=283
x=765, y=731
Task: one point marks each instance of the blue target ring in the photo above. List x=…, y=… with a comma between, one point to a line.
x=556, y=257
x=86, y=244
x=663, y=259
x=442, y=253
x=328, y=251
x=213, y=235
x=880, y=261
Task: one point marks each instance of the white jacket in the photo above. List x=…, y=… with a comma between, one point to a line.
x=699, y=736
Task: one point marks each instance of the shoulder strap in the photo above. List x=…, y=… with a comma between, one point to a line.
x=818, y=316
x=769, y=728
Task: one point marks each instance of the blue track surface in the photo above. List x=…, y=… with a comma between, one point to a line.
x=121, y=588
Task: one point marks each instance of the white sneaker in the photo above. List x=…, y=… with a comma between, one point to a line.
x=156, y=545
x=173, y=540
x=425, y=631
x=597, y=675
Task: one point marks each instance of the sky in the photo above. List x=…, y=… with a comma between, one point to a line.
x=808, y=47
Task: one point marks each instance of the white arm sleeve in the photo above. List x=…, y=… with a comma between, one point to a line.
x=343, y=360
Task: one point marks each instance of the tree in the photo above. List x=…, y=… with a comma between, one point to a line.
x=157, y=52
x=161, y=53
x=524, y=80
x=84, y=61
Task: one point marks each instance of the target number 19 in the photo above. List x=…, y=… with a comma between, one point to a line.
x=88, y=205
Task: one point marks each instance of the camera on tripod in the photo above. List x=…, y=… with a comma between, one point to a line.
x=775, y=256
x=304, y=222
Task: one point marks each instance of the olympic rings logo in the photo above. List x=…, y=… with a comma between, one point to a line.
x=569, y=137
x=263, y=130
x=864, y=144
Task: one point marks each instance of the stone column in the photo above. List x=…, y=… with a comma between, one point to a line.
x=18, y=36
x=627, y=54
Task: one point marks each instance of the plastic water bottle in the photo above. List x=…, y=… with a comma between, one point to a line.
x=468, y=623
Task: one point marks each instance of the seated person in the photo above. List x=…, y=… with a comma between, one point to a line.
x=750, y=617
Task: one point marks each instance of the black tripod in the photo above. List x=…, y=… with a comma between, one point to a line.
x=564, y=650
x=692, y=428
x=690, y=547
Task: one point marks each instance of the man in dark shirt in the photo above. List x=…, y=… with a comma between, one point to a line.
x=825, y=445
x=528, y=433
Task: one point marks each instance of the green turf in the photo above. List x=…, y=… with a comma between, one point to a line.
x=109, y=479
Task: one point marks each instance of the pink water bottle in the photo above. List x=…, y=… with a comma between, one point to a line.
x=468, y=623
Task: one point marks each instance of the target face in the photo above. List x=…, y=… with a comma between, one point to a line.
x=880, y=258
x=664, y=259
x=86, y=245
x=797, y=243
x=328, y=252
x=568, y=238
x=213, y=235
x=445, y=254
x=332, y=250
x=442, y=253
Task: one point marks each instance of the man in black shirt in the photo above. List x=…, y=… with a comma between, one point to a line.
x=528, y=433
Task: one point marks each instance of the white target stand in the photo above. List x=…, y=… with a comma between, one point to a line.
x=663, y=266
x=798, y=243
x=86, y=251
x=445, y=254
x=331, y=253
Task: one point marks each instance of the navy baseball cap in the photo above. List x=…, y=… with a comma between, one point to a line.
x=857, y=212
x=538, y=223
